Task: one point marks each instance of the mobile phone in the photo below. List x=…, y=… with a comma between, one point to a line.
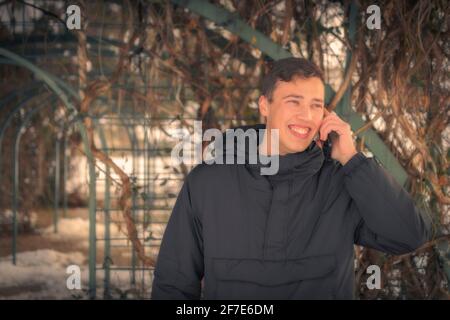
x=328, y=144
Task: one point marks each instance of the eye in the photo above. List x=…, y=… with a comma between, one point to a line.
x=293, y=102
x=317, y=105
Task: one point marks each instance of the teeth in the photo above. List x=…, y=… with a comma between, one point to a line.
x=300, y=130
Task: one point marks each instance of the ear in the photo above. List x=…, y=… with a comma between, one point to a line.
x=263, y=105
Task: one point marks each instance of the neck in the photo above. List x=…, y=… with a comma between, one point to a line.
x=269, y=146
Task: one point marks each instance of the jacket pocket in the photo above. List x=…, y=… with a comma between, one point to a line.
x=303, y=278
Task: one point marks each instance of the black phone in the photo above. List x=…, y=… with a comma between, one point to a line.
x=328, y=144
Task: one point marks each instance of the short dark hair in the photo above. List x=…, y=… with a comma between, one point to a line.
x=285, y=70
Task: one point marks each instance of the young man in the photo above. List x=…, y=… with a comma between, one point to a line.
x=289, y=235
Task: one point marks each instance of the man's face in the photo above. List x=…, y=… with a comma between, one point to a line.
x=297, y=110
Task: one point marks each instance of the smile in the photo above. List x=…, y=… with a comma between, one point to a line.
x=299, y=131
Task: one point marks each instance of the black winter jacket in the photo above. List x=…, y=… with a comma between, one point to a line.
x=285, y=236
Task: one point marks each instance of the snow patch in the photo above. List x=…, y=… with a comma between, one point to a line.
x=43, y=272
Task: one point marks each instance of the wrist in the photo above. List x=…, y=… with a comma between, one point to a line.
x=348, y=157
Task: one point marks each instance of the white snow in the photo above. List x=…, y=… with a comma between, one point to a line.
x=39, y=274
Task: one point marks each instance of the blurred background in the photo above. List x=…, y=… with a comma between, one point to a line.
x=92, y=97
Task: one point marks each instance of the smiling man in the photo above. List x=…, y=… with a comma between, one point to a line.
x=290, y=235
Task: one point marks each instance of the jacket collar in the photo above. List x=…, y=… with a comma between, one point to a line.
x=305, y=163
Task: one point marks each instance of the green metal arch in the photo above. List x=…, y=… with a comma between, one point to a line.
x=15, y=171
x=42, y=75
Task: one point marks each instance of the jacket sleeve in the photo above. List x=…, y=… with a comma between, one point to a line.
x=386, y=217
x=179, y=267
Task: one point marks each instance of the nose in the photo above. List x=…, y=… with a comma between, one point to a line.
x=303, y=112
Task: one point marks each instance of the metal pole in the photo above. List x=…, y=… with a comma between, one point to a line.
x=57, y=186
x=92, y=232
x=107, y=219
x=65, y=173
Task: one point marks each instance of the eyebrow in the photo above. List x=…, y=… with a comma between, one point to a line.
x=293, y=96
x=301, y=97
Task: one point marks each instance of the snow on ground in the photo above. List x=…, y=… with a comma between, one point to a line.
x=41, y=274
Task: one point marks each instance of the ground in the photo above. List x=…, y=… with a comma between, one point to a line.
x=43, y=256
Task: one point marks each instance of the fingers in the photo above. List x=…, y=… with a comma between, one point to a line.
x=332, y=125
x=336, y=123
x=328, y=114
x=332, y=122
